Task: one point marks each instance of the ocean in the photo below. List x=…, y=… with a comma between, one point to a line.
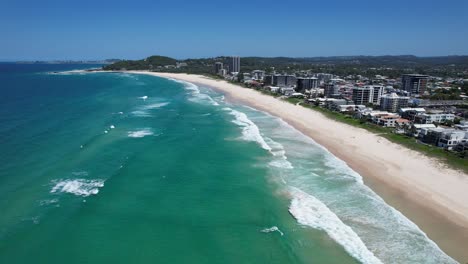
x=127, y=168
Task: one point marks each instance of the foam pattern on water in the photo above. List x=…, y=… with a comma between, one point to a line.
x=310, y=211
x=78, y=187
x=341, y=205
x=383, y=230
x=140, y=133
x=196, y=95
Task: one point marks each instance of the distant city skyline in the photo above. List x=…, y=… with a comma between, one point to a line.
x=89, y=30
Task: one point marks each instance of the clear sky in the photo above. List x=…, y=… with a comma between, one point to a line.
x=83, y=29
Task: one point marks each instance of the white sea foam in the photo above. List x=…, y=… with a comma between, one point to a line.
x=310, y=211
x=155, y=106
x=197, y=95
x=80, y=173
x=143, y=110
x=141, y=113
x=70, y=72
x=79, y=187
x=250, y=131
x=48, y=202
x=385, y=231
x=143, y=97
x=272, y=229
x=203, y=98
x=336, y=164
x=111, y=126
x=277, y=150
x=140, y=133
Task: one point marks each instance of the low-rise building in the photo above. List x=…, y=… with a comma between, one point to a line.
x=431, y=135
x=418, y=129
x=389, y=120
x=451, y=138
x=430, y=118
x=273, y=89
x=334, y=104
x=350, y=108
x=461, y=146
x=258, y=75
x=287, y=91
x=462, y=126
x=410, y=113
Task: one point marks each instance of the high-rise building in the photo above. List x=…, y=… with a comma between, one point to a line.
x=234, y=64
x=268, y=80
x=306, y=84
x=414, y=84
x=258, y=75
x=218, y=66
x=331, y=90
x=392, y=102
x=284, y=80
x=367, y=94
x=377, y=93
x=324, y=77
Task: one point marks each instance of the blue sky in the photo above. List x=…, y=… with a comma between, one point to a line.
x=42, y=30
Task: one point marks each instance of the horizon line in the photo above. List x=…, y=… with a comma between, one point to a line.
x=250, y=56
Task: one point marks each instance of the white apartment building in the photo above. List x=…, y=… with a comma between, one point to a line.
x=392, y=102
x=367, y=94
x=427, y=118
x=452, y=138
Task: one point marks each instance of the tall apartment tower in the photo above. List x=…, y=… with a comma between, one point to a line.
x=414, y=84
x=284, y=80
x=306, y=84
x=367, y=94
x=392, y=102
x=377, y=94
x=234, y=64
x=218, y=66
x=331, y=90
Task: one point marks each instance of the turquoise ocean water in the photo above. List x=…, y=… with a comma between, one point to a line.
x=124, y=168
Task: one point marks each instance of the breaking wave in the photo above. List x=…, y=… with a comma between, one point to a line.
x=251, y=132
x=143, y=111
x=310, y=211
x=197, y=95
x=78, y=187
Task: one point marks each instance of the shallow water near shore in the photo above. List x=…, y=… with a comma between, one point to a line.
x=103, y=167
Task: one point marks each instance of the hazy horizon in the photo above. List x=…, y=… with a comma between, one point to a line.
x=227, y=55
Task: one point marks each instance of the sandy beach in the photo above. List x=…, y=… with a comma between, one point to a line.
x=423, y=189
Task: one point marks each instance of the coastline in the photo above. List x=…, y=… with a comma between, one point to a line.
x=432, y=196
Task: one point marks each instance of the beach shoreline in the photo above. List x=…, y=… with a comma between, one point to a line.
x=427, y=192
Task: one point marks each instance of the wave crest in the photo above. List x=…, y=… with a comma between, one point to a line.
x=310, y=211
